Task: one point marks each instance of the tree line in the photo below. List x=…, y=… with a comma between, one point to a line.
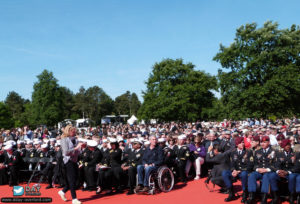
x=259, y=77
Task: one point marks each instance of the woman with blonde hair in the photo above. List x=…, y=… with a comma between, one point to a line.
x=70, y=150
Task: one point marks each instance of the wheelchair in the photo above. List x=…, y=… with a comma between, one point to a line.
x=162, y=179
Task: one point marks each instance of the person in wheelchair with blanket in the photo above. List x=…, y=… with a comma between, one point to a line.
x=153, y=158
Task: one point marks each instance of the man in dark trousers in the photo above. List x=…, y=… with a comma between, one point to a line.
x=94, y=158
x=239, y=168
x=152, y=159
x=131, y=162
x=284, y=165
x=12, y=163
x=264, y=161
x=182, y=155
x=218, y=159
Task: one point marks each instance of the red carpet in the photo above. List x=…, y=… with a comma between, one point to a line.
x=193, y=192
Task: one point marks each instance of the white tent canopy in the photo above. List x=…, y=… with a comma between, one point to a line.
x=132, y=120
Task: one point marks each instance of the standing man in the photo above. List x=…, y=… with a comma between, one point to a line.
x=152, y=159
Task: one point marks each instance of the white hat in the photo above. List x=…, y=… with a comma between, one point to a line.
x=182, y=137
x=82, y=140
x=44, y=146
x=92, y=143
x=28, y=141
x=57, y=144
x=10, y=142
x=146, y=142
x=8, y=147
x=45, y=140
x=36, y=142
x=104, y=141
x=120, y=139
x=52, y=139
x=161, y=140
x=20, y=142
x=112, y=140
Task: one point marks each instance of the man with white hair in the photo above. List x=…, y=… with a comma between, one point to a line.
x=153, y=158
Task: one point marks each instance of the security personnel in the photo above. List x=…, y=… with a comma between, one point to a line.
x=90, y=164
x=169, y=155
x=182, y=155
x=264, y=160
x=12, y=163
x=284, y=164
x=131, y=162
x=239, y=160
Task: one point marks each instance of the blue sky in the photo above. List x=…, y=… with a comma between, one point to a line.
x=114, y=44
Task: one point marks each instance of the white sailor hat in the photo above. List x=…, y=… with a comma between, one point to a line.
x=113, y=140
x=8, y=147
x=146, y=142
x=82, y=140
x=58, y=142
x=28, y=141
x=104, y=141
x=10, y=142
x=161, y=140
x=44, y=146
x=52, y=139
x=20, y=142
x=37, y=142
x=181, y=137
x=92, y=143
x=120, y=139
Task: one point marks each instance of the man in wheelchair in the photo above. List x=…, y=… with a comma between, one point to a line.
x=153, y=158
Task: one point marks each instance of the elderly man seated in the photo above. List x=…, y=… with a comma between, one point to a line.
x=153, y=158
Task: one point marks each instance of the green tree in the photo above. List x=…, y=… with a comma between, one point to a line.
x=15, y=103
x=6, y=120
x=47, y=100
x=93, y=102
x=127, y=103
x=68, y=102
x=263, y=76
x=122, y=103
x=176, y=91
x=135, y=104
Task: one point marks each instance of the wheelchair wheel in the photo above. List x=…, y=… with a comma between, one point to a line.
x=165, y=179
x=152, y=183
